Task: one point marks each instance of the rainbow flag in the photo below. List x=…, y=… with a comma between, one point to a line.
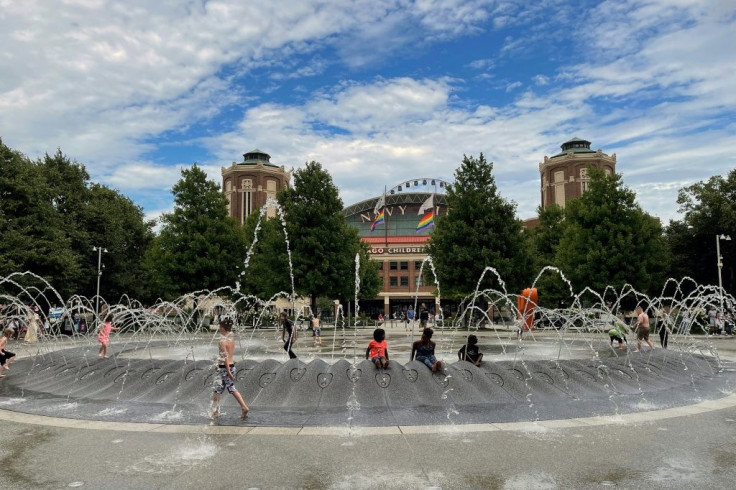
x=426, y=222
x=378, y=221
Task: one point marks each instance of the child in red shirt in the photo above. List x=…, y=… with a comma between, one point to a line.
x=377, y=350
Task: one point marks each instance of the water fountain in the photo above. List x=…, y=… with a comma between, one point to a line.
x=161, y=367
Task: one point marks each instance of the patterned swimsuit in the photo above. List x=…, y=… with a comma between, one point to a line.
x=224, y=382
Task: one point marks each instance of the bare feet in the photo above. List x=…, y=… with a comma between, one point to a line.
x=244, y=414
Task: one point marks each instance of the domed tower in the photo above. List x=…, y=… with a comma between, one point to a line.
x=249, y=183
x=565, y=175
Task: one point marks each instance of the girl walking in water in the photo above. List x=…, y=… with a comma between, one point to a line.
x=104, y=336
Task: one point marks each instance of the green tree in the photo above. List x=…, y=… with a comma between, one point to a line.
x=199, y=245
x=323, y=245
x=709, y=209
x=480, y=230
x=268, y=268
x=609, y=240
x=51, y=216
x=33, y=233
x=114, y=222
x=545, y=239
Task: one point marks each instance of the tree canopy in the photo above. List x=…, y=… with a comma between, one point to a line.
x=50, y=218
x=481, y=230
x=609, y=240
x=709, y=209
x=199, y=245
x=324, y=246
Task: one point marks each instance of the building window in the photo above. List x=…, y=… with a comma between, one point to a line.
x=417, y=265
x=393, y=281
x=559, y=177
x=247, y=204
x=229, y=194
x=393, y=265
x=380, y=265
x=404, y=281
x=584, y=180
x=271, y=193
x=405, y=266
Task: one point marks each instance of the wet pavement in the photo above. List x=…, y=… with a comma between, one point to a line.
x=657, y=444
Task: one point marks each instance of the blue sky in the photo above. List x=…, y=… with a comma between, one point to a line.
x=378, y=91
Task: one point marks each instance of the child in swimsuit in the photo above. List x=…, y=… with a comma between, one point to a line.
x=317, y=330
x=618, y=333
x=104, y=336
x=423, y=351
x=377, y=350
x=5, y=355
x=226, y=370
x=469, y=351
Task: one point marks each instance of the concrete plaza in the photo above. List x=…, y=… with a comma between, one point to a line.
x=692, y=446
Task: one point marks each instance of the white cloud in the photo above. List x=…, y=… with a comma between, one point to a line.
x=107, y=82
x=143, y=175
x=513, y=86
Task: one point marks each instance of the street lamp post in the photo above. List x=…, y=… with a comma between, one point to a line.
x=99, y=251
x=719, y=263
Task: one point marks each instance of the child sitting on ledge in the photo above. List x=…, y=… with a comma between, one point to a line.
x=423, y=351
x=469, y=351
x=377, y=350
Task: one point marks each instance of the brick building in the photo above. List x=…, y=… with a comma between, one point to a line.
x=565, y=176
x=249, y=183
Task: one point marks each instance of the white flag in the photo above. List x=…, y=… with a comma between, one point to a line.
x=428, y=205
x=381, y=203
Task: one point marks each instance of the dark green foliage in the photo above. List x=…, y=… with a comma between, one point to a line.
x=545, y=241
x=323, y=246
x=609, y=240
x=51, y=216
x=268, y=270
x=114, y=222
x=480, y=230
x=709, y=209
x=34, y=233
x=199, y=246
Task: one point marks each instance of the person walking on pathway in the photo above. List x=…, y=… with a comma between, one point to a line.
x=423, y=316
x=712, y=320
x=409, y=318
x=226, y=370
x=34, y=322
x=288, y=334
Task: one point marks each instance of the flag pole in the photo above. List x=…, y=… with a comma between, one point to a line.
x=385, y=219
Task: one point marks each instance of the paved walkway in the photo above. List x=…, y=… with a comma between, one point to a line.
x=687, y=447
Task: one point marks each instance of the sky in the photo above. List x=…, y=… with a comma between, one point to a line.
x=377, y=91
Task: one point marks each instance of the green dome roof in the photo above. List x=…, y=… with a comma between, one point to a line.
x=255, y=157
x=576, y=145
